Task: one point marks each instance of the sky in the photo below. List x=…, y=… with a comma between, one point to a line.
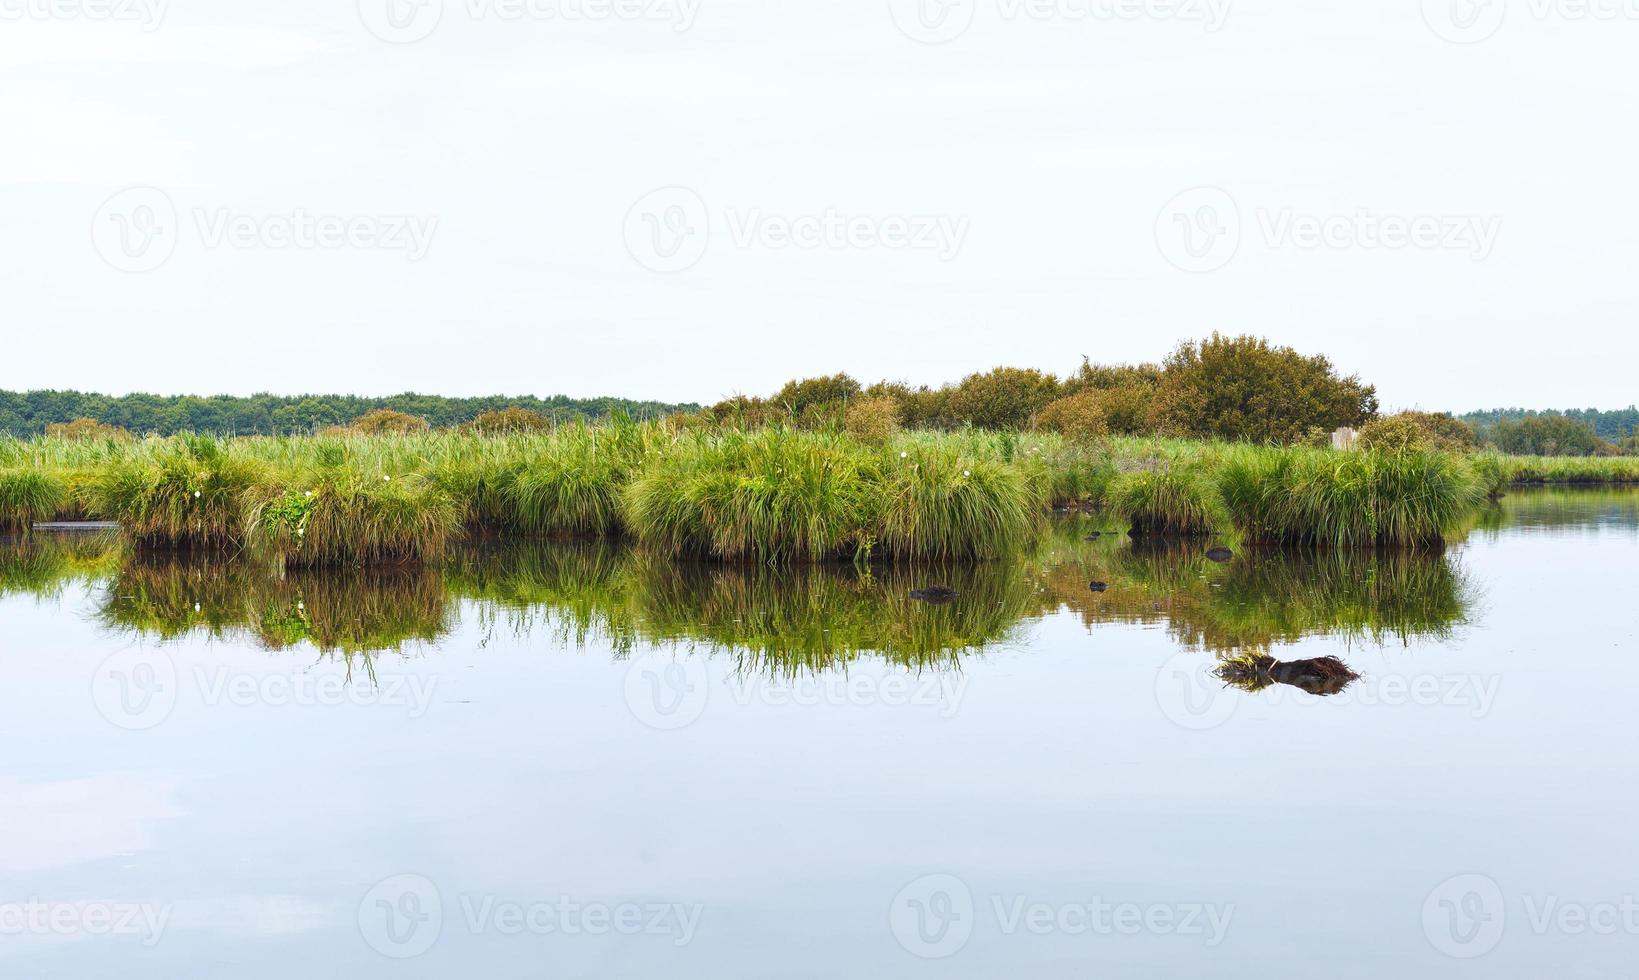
x=687, y=199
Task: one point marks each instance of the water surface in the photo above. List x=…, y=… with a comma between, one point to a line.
x=573, y=760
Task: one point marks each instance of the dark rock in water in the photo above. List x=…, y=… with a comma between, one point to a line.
x=1323, y=676
x=935, y=593
x=1220, y=554
x=1098, y=586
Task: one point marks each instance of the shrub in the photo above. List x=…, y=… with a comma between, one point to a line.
x=1545, y=435
x=507, y=421
x=88, y=430
x=1003, y=398
x=1242, y=388
x=873, y=418
x=386, y=421
x=1396, y=434
x=1079, y=417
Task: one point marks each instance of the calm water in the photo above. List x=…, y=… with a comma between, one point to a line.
x=572, y=761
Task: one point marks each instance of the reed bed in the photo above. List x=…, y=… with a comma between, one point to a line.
x=768, y=495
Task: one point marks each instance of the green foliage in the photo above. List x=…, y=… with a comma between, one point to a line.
x=387, y=421
x=508, y=421
x=29, y=495
x=1170, y=499
x=1002, y=398
x=29, y=413
x=1369, y=498
x=1545, y=435
x=1079, y=417
x=1242, y=388
x=873, y=418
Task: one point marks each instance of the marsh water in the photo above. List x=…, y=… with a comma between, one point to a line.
x=555, y=759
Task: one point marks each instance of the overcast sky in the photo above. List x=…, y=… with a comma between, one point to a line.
x=682, y=199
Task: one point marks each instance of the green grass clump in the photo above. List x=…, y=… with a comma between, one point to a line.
x=29, y=495
x=1170, y=498
x=191, y=492
x=933, y=501
x=769, y=496
x=341, y=516
x=1366, y=498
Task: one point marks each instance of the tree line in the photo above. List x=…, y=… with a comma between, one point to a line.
x=32, y=412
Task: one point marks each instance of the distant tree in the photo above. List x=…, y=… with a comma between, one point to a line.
x=1243, y=388
x=1545, y=435
x=1417, y=430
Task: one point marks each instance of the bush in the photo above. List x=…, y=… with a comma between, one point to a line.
x=873, y=419
x=385, y=421
x=88, y=430
x=1545, y=435
x=1396, y=434
x=1242, y=388
x=507, y=421
x=1003, y=398
x=1079, y=417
